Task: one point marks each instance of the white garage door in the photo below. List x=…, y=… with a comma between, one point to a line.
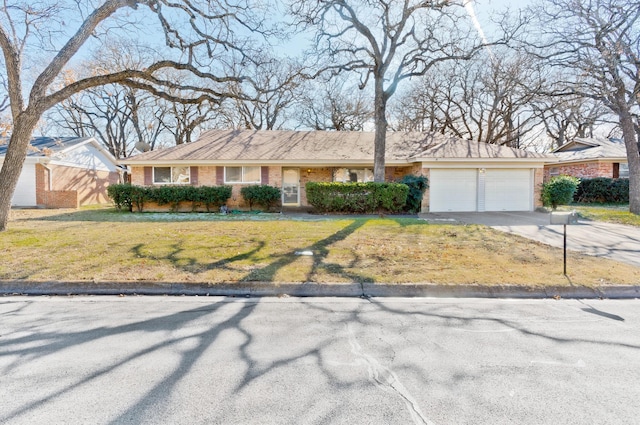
x=453, y=190
x=508, y=190
x=25, y=194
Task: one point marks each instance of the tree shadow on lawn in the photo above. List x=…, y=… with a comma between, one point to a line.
x=121, y=216
x=319, y=250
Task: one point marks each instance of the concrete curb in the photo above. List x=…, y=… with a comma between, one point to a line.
x=309, y=289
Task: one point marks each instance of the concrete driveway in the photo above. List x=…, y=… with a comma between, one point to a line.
x=615, y=241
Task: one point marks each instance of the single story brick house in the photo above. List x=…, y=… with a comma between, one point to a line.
x=64, y=172
x=463, y=175
x=589, y=158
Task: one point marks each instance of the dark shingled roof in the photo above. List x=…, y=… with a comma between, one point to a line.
x=40, y=145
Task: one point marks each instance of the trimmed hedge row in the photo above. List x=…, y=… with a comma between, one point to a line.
x=357, y=197
x=129, y=197
x=603, y=190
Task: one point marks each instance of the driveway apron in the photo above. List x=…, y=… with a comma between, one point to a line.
x=615, y=241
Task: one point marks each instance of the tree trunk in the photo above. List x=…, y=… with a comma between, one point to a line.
x=633, y=157
x=13, y=162
x=380, y=119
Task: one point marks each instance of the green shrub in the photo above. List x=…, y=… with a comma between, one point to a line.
x=120, y=194
x=138, y=195
x=559, y=190
x=603, y=190
x=169, y=195
x=214, y=196
x=417, y=186
x=264, y=195
x=130, y=197
x=357, y=197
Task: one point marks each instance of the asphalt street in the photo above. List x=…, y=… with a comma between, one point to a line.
x=214, y=360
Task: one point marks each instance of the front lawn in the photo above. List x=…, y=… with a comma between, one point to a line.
x=105, y=245
x=609, y=213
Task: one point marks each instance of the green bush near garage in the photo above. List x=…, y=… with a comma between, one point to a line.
x=559, y=190
x=417, y=186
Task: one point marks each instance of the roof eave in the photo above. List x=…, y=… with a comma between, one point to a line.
x=487, y=159
x=290, y=162
x=581, y=160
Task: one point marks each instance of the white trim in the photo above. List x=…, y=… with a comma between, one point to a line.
x=242, y=172
x=155, y=183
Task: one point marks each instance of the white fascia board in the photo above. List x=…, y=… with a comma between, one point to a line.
x=287, y=163
x=37, y=160
x=589, y=160
x=483, y=163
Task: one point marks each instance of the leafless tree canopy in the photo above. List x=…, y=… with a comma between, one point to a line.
x=386, y=42
x=488, y=99
x=200, y=31
x=334, y=105
x=594, y=46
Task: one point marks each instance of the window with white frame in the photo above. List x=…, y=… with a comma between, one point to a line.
x=171, y=175
x=242, y=175
x=352, y=175
x=624, y=170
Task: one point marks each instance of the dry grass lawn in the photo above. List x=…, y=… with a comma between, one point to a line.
x=618, y=214
x=105, y=245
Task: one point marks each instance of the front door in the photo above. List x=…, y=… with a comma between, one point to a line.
x=291, y=186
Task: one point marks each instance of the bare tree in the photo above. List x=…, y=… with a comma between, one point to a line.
x=487, y=99
x=184, y=121
x=596, y=43
x=264, y=104
x=387, y=42
x=334, y=105
x=27, y=27
x=566, y=117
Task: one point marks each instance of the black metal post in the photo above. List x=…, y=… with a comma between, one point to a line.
x=565, y=249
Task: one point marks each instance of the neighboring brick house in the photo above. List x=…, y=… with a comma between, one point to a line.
x=463, y=175
x=589, y=158
x=64, y=172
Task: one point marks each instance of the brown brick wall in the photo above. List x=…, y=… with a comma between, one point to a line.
x=312, y=175
x=72, y=187
x=538, y=179
x=137, y=176
x=392, y=174
x=582, y=170
x=207, y=177
x=425, y=198
x=42, y=179
x=61, y=199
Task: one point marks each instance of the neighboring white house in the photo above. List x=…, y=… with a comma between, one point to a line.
x=64, y=172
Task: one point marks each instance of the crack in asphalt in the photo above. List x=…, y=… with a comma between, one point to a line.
x=386, y=379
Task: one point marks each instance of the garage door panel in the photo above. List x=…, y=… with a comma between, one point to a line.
x=25, y=193
x=508, y=190
x=453, y=190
